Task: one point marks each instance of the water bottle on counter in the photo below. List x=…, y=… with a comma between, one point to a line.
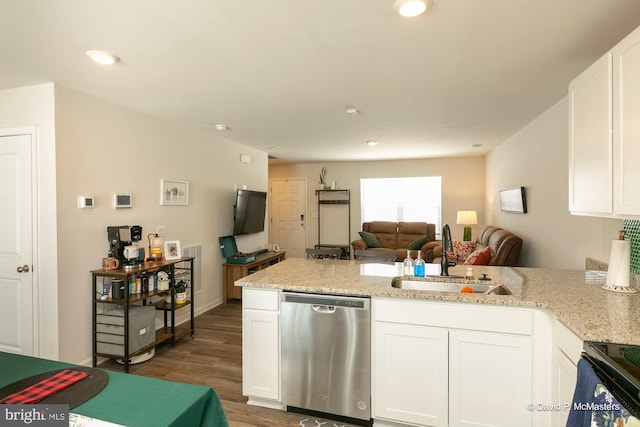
x=419, y=266
x=408, y=264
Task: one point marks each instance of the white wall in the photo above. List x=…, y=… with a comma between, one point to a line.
x=462, y=185
x=102, y=149
x=537, y=158
x=34, y=106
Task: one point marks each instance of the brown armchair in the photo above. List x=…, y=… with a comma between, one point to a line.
x=505, y=246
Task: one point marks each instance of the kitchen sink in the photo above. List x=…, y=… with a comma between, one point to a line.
x=434, y=286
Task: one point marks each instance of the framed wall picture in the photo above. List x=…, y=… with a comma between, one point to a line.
x=513, y=200
x=172, y=250
x=174, y=193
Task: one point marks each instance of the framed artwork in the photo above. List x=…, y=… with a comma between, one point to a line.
x=172, y=250
x=513, y=200
x=174, y=193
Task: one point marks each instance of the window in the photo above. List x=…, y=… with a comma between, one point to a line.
x=402, y=199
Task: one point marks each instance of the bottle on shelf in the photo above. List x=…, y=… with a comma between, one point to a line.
x=408, y=264
x=419, y=266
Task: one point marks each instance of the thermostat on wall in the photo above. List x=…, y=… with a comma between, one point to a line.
x=85, y=202
x=121, y=201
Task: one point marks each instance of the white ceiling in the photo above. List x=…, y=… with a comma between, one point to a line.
x=280, y=73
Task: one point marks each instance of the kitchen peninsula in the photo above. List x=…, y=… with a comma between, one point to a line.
x=515, y=350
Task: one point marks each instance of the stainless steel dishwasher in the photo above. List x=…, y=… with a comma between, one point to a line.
x=326, y=354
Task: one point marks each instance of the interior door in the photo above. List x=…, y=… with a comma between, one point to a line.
x=17, y=333
x=289, y=216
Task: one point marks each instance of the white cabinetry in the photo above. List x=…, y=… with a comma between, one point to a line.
x=410, y=371
x=490, y=379
x=566, y=353
x=261, y=347
x=590, y=140
x=604, y=138
x=453, y=364
x=626, y=111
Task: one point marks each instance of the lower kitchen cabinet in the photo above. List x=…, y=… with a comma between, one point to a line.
x=261, y=347
x=566, y=354
x=410, y=373
x=450, y=364
x=490, y=379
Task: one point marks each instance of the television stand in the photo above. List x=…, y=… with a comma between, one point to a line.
x=233, y=272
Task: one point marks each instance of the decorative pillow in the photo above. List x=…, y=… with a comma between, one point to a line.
x=418, y=243
x=370, y=239
x=462, y=249
x=479, y=257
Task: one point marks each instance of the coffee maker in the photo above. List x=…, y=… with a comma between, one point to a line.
x=121, y=237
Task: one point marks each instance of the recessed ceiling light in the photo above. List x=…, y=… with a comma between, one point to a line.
x=352, y=110
x=410, y=8
x=102, y=57
x=273, y=148
x=372, y=142
x=222, y=127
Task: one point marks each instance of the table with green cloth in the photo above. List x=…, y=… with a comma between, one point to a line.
x=130, y=400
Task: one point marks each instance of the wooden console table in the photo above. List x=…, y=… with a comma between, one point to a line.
x=233, y=272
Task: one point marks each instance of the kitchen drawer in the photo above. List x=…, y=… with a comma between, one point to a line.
x=261, y=299
x=477, y=317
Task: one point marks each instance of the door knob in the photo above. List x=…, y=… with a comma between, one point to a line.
x=23, y=269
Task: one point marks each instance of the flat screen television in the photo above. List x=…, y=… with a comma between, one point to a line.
x=249, y=212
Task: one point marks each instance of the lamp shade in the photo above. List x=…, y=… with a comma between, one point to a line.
x=467, y=217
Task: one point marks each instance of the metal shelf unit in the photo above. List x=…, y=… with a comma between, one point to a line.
x=181, y=269
x=335, y=197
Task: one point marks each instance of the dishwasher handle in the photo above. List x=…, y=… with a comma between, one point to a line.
x=323, y=309
x=335, y=301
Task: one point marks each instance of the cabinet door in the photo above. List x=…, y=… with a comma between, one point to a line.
x=566, y=376
x=261, y=354
x=490, y=379
x=626, y=111
x=410, y=373
x=590, y=140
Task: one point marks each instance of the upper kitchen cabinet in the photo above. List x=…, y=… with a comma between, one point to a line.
x=590, y=139
x=604, y=134
x=626, y=122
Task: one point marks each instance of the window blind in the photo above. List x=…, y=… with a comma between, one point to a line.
x=402, y=199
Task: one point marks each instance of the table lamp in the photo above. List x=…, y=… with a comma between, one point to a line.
x=467, y=218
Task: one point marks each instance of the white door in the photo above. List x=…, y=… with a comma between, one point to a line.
x=17, y=334
x=289, y=216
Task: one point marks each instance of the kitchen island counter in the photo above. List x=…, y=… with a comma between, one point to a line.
x=594, y=314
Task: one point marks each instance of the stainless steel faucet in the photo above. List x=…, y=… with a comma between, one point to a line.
x=447, y=246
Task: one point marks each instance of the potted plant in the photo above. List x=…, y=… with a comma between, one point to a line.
x=323, y=172
x=323, y=183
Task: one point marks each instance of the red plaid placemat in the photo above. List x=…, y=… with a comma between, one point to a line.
x=46, y=387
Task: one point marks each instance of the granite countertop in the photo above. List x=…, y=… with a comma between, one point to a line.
x=575, y=298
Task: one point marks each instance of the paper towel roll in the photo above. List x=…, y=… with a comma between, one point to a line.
x=619, y=263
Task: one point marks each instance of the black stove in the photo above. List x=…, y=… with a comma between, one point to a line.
x=618, y=366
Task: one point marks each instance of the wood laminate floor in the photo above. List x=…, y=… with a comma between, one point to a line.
x=212, y=358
